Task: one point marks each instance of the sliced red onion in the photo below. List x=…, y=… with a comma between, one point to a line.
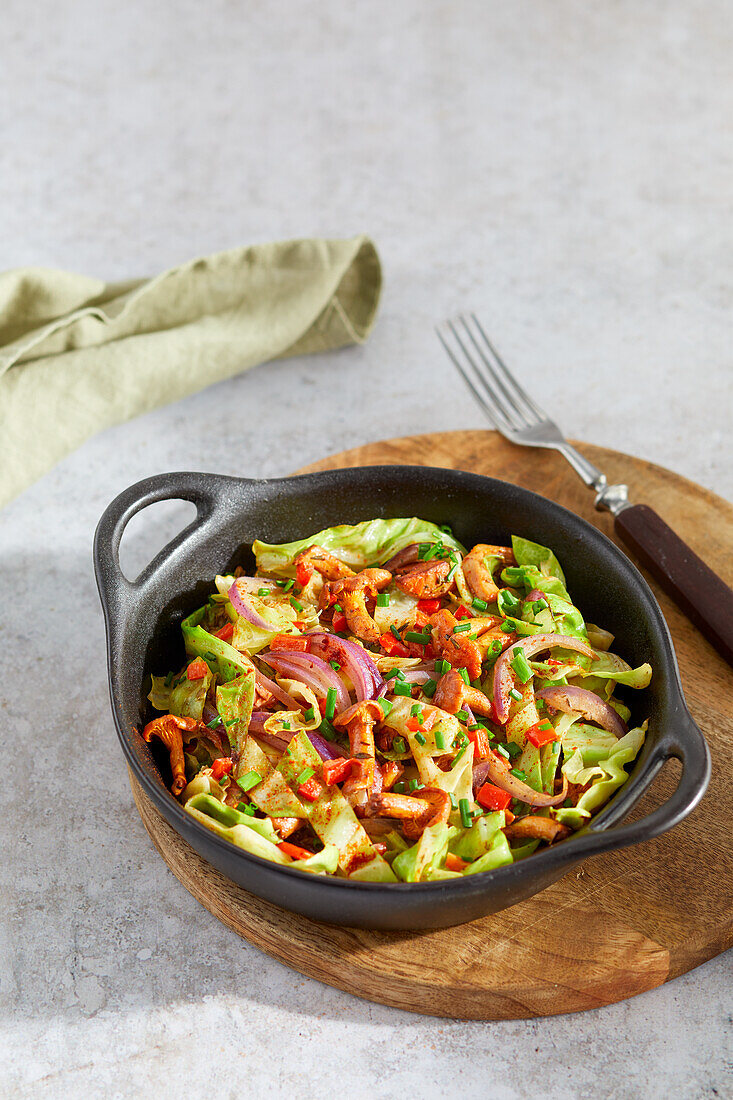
x=327, y=750
x=275, y=689
x=471, y=719
x=586, y=703
x=535, y=594
x=253, y=584
x=354, y=660
x=480, y=772
x=257, y=721
x=500, y=775
x=406, y=556
x=312, y=671
x=241, y=604
x=535, y=643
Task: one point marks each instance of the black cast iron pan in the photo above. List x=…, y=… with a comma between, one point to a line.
x=143, y=637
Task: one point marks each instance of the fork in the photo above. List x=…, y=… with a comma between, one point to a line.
x=695, y=588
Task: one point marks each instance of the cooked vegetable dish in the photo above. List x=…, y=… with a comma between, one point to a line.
x=379, y=704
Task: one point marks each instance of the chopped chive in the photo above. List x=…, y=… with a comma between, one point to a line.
x=441, y=667
x=400, y=674
x=214, y=722
x=452, y=572
x=399, y=788
x=420, y=738
x=465, y=812
x=555, y=748
x=326, y=727
x=460, y=627
x=462, y=715
x=458, y=756
x=288, y=585
x=507, y=627
x=294, y=603
x=231, y=722
x=209, y=656
x=539, y=605
x=516, y=695
x=513, y=749
x=462, y=740
x=385, y=705
x=413, y=784
x=286, y=725
x=330, y=704
x=439, y=739
x=305, y=775
x=334, y=665
x=402, y=688
x=518, y=774
x=420, y=639
x=263, y=591
x=337, y=607
x=396, y=632
x=463, y=673
x=415, y=710
x=503, y=751
x=446, y=529
x=453, y=801
x=520, y=665
x=398, y=744
x=167, y=681
x=249, y=780
x=429, y=688
x=383, y=599
x=422, y=550
x=480, y=605
x=246, y=808
x=310, y=714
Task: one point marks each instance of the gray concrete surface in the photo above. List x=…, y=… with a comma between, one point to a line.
x=564, y=169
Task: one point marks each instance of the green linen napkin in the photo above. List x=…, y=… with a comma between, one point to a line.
x=77, y=354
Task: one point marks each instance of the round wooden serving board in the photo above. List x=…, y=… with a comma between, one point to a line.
x=622, y=923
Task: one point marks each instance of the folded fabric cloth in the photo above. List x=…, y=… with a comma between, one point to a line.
x=77, y=355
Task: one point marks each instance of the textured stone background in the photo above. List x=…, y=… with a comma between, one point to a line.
x=562, y=168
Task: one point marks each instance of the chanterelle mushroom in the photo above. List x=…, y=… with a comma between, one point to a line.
x=329, y=566
x=477, y=571
x=457, y=649
x=168, y=730
x=453, y=693
x=426, y=580
x=352, y=595
x=431, y=806
x=359, y=722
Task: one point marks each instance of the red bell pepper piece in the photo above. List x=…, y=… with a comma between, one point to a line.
x=322, y=706
x=493, y=798
x=221, y=767
x=335, y=771
x=289, y=641
x=294, y=850
x=454, y=863
x=339, y=622
x=428, y=607
x=304, y=573
x=542, y=733
x=480, y=742
x=197, y=669
x=462, y=612
x=310, y=790
x=226, y=632
x=392, y=647
x=415, y=724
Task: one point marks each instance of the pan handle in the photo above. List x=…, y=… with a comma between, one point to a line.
x=685, y=743
x=204, y=490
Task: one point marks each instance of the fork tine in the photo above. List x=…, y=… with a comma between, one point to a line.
x=495, y=399
x=525, y=420
x=490, y=410
x=539, y=413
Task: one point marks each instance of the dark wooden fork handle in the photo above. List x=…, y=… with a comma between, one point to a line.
x=701, y=594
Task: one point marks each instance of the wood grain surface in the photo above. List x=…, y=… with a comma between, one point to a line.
x=620, y=924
